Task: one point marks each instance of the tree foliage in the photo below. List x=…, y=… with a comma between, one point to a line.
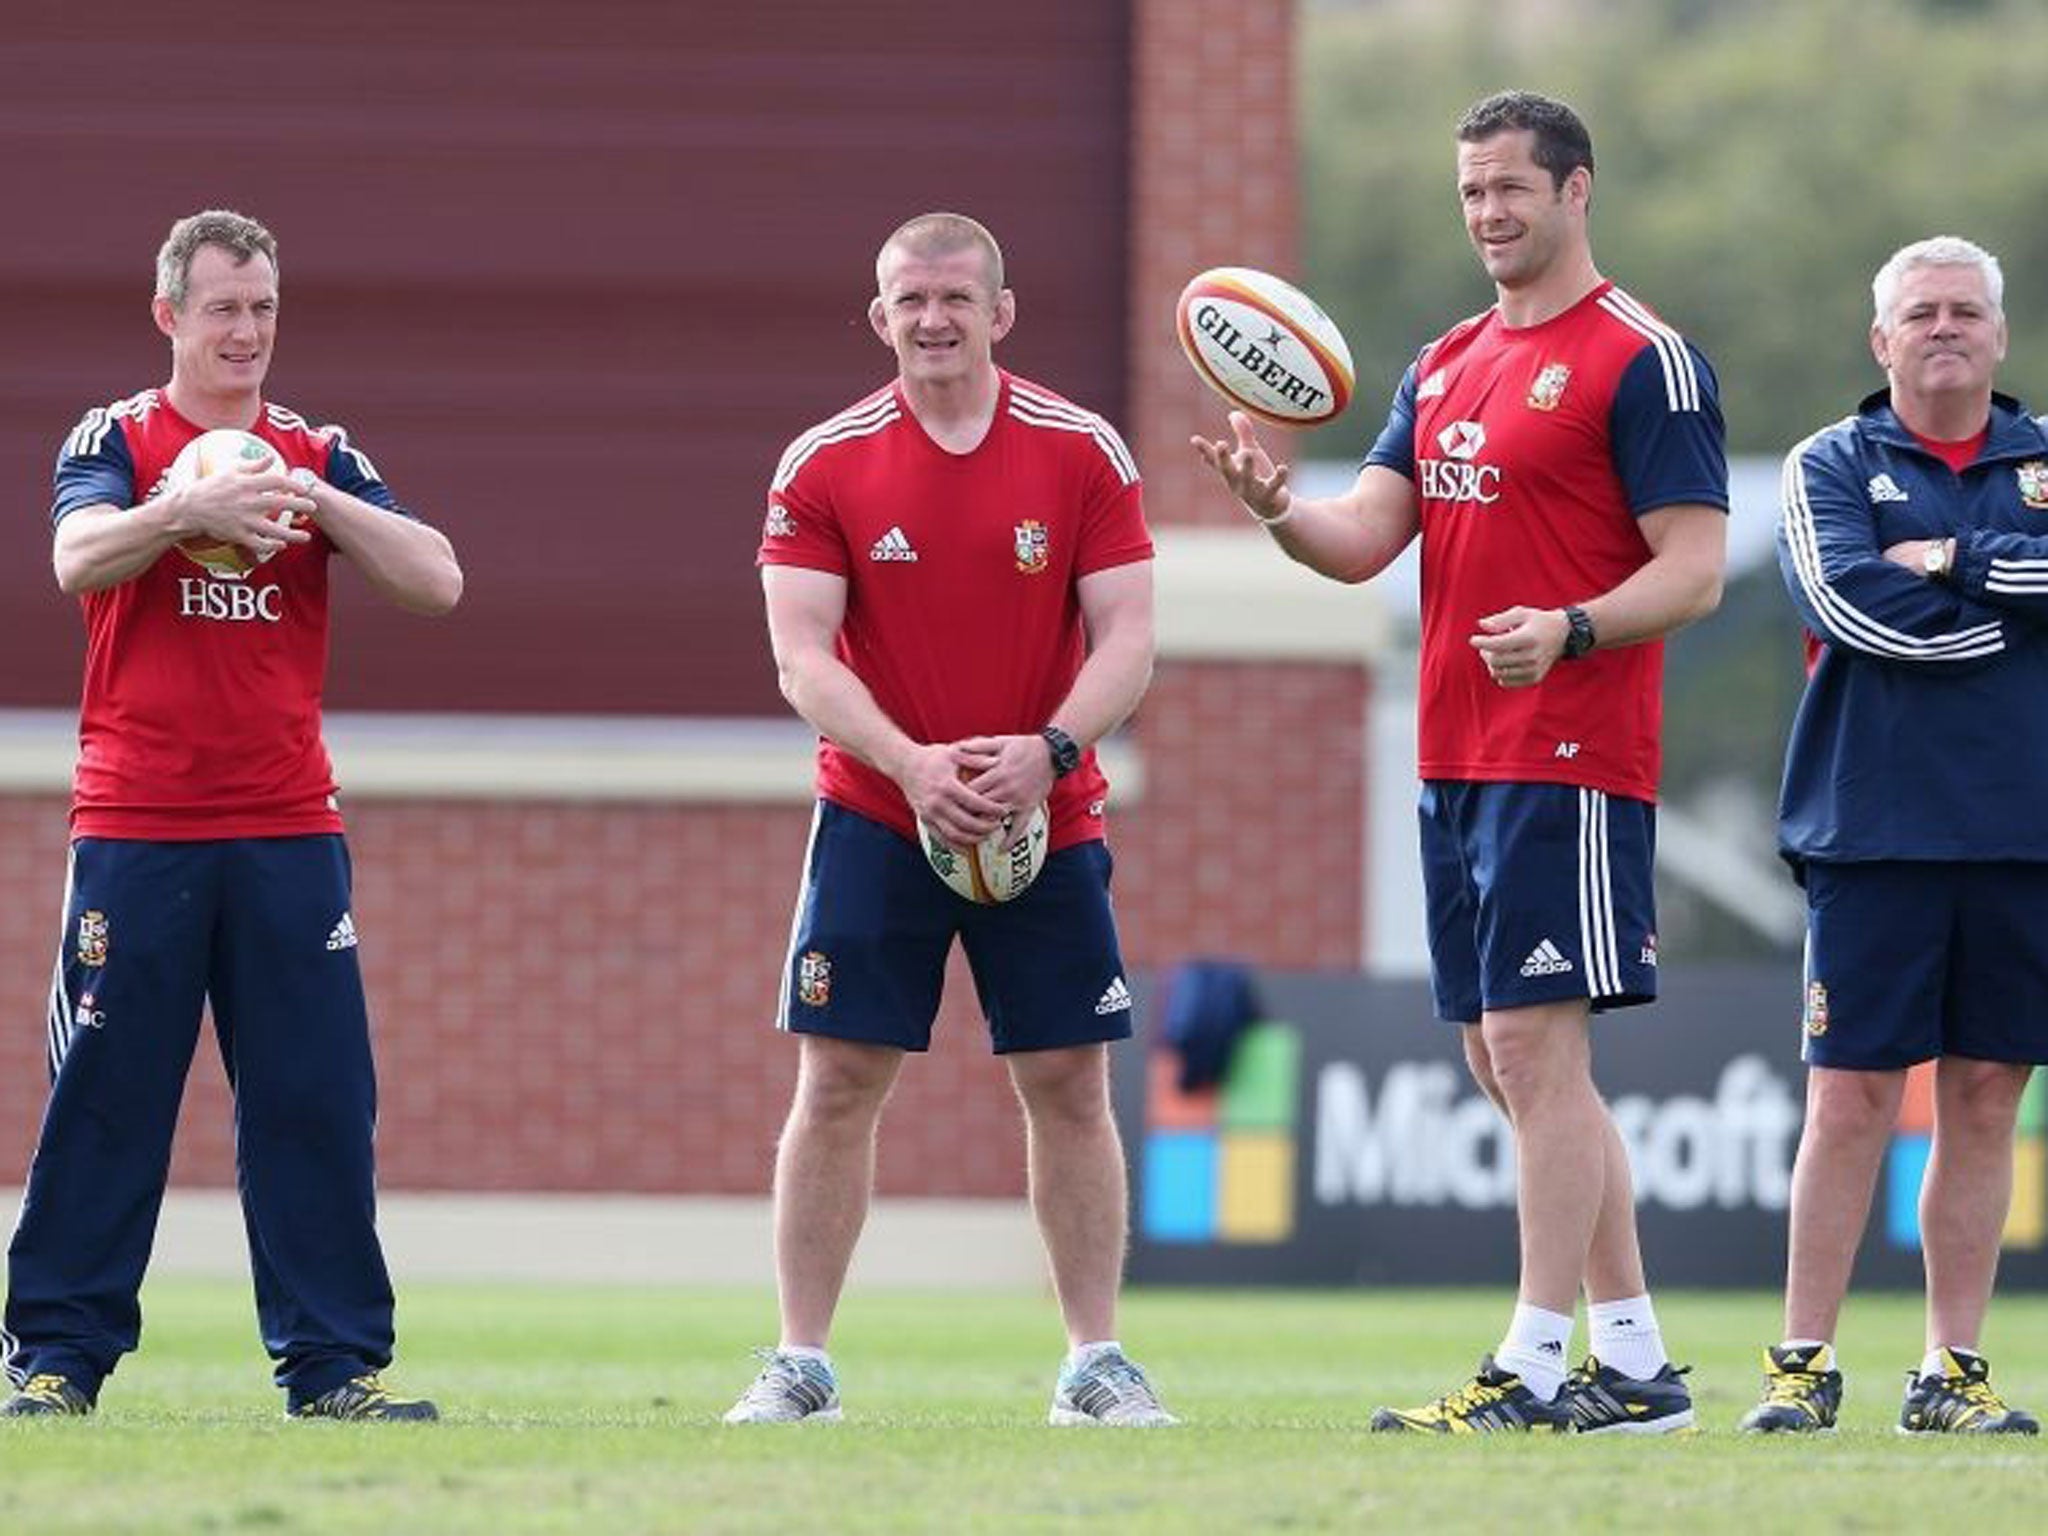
x=1756, y=163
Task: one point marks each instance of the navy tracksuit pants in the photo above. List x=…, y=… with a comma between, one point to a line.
x=261, y=929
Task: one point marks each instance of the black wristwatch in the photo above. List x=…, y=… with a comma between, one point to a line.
x=1066, y=756
x=1579, y=638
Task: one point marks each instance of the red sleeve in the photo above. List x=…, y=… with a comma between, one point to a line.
x=1113, y=528
x=800, y=528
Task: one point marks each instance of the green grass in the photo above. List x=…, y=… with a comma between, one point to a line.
x=595, y=1410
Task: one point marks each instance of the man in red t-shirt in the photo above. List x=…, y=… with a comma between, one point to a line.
x=1561, y=458
x=959, y=592
x=207, y=863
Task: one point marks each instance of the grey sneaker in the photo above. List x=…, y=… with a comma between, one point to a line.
x=1107, y=1388
x=47, y=1395
x=790, y=1388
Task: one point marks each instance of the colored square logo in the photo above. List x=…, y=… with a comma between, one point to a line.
x=1179, y=1187
x=1219, y=1163
x=1255, y=1187
x=1265, y=1069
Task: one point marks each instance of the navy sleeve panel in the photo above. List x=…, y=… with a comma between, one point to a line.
x=2007, y=571
x=1395, y=447
x=349, y=469
x=1670, y=445
x=94, y=467
x=1845, y=589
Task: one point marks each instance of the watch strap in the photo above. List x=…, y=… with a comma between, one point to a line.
x=1579, y=637
x=1066, y=752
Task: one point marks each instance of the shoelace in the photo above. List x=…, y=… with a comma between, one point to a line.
x=1474, y=1394
x=778, y=1373
x=1128, y=1382
x=45, y=1388
x=1976, y=1393
x=1792, y=1388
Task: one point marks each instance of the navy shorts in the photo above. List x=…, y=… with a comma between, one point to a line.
x=867, y=956
x=1909, y=961
x=1537, y=893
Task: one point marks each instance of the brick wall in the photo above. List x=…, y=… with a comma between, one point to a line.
x=1214, y=183
x=577, y=996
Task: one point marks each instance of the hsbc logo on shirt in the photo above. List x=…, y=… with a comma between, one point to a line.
x=231, y=602
x=1456, y=477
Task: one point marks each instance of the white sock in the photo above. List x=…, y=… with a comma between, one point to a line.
x=1079, y=1354
x=805, y=1352
x=1625, y=1336
x=1535, y=1348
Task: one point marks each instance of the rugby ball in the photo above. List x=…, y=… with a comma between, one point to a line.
x=1265, y=346
x=998, y=868
x=214, y=453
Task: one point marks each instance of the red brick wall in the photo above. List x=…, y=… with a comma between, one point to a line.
x=577, y=997
x=1214, y=184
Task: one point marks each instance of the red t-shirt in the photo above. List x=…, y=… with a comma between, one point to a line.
x=961, y=612
x=200, y=716
x=1533, y=451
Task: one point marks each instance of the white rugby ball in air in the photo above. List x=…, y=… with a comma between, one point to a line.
x=998, y=868
x=1265, y=346
x=214, y=453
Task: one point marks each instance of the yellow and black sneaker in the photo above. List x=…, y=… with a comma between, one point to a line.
x=1958, y=1400
x=47, y=1396
x=365, y=1398
x=1802, y=1392
x=1492, y=1402
x=1605, y=1402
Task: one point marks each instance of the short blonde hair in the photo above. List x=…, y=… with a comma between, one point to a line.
x=941, y=234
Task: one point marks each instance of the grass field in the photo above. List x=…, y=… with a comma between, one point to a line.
x=595, y=1410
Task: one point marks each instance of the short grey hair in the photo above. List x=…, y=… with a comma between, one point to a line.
x=1939, y=251
x=236, y=233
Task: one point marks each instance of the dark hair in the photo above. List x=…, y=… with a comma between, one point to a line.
x=1562, y=143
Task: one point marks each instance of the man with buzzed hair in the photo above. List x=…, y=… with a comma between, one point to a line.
x=959, y=591
x=942, y=234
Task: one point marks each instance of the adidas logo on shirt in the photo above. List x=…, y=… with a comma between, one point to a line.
x=1885, y=488
x=1545, y=960
x=892, y=546
x=1116, y=1000
x=344, y=935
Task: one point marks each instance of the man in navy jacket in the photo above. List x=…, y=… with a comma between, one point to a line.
x=1914, y=541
